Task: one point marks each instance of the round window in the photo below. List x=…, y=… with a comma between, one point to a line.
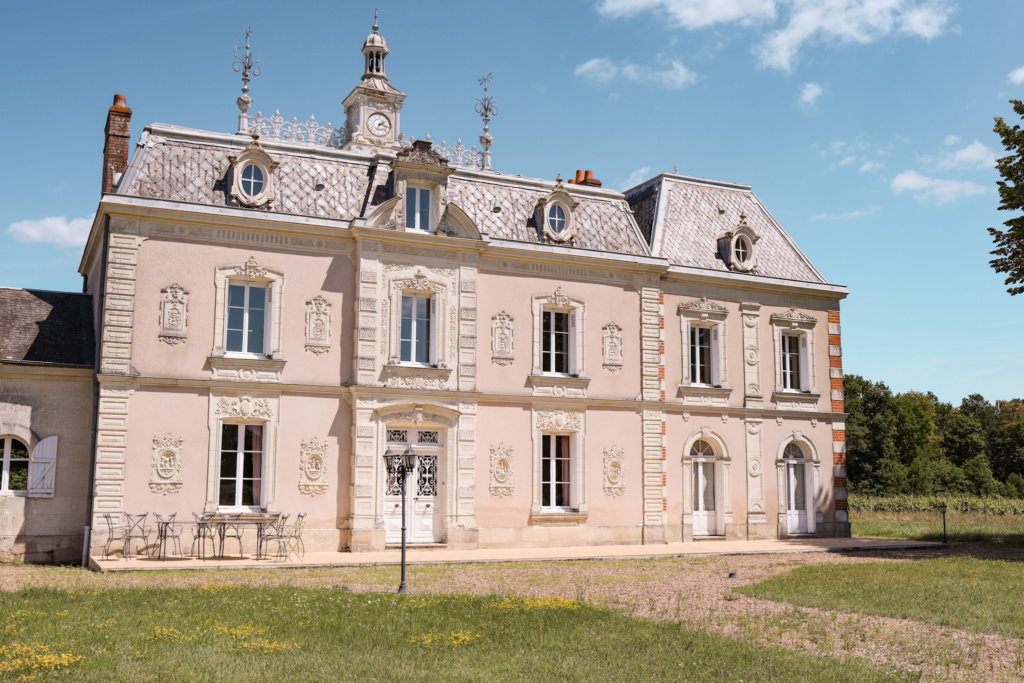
x=252, y=180
x=742, y=250
x=556, y=218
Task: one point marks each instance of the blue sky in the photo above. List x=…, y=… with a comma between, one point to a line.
x=865, y=126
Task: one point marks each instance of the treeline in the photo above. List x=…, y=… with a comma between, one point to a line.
x=913, y=443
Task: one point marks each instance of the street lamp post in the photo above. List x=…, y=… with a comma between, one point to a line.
x=400, y=466
x=942, y=509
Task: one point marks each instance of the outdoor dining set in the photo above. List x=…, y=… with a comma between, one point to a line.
x=216, y=531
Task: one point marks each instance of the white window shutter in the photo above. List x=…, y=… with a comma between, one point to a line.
x=42, y=468
x=716, y=373
x=435, y=332
x=805, y=373
x=573, y=342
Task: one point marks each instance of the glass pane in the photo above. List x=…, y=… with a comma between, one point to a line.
x=708, y=469
x=255, y=486
x=255, y=342
x=227, y=492
x=257, y=299
x=247, y=492
x=18, y=449
x=256, y=321
x=799, y=495
x=235, y=340
x=229, y=438
x=545, y=471
x=236, y=295
x=251, y=465
x=424, y=210
x=422, y=350
x=236, y=318
x=410, y=209
x=228, y=465
x=561, y=322
x=254, y=437
x=18, y=480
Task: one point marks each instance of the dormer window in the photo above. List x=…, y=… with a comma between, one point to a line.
x=417, y=209
x=554, y=214
x=741, y=249
x=252, y=180
x=556, y=218
x=738, y=247
x=252, y=176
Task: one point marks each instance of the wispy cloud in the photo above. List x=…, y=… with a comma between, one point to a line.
x=871, y=166
x=636, y=177
x=809, y=94
x=974, y=155
x=941, y=190
x=605, y=70
x=951, y=140
x=54, y=230
x=859, y=153
x=845, y=216
x=803, y=21
x=1016, y=76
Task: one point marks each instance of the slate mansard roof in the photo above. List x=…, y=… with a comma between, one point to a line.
x=674, y=217
x=46, y=328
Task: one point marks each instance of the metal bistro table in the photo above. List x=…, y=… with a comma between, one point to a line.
x=221, y=523
x=165, y=531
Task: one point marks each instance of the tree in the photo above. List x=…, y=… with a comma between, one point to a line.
x=1009, y=250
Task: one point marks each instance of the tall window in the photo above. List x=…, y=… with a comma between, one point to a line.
x=417, y=209
x=247, y=309
x=555, y=345
x=415, y=335
x=791, y=362
x=555, y=471
x=14, y=475
x=241, y=465
x=700, y=355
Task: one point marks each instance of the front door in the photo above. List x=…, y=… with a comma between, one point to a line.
x=796, y=498
x=704, y=519
x=422, y=488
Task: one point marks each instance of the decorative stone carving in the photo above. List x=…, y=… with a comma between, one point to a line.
x=559, y=386
x=318, y=325
x=250, y=196
x=614, y=480
x=244, y=406
x=560, y=227
x=559, y=420
x=413, y=377
x=313, y=467
x=793, y=318
x=173, y=315
x=416, y=416
x=559, y=298
x=246, y=369
x=502, y=339
x=166, y=465
x=738, y=247
x=703, y=309
x=501, y=470
x=612, y=347
x=251, y=270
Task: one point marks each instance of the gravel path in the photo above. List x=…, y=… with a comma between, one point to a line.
x=696, y=591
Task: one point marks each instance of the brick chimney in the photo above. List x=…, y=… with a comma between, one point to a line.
x=115, y=147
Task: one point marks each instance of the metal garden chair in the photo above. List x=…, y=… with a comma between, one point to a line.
x=229, y=528
x=202, y=533
x=115, y=532
x=136, y=530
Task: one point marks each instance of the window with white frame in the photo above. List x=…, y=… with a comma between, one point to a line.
x=417, y=209
x=704, y=355
x=416, y=329
x=555, y=341
x=241, y=466
x=791, y=361
x=703, y=328
x=246, y=319
x=14, y=476
x=556, y=478
x=794, y=351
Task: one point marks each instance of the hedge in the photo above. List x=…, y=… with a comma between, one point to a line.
x=954, y=502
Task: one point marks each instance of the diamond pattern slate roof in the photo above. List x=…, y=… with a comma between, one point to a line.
x=50, y=328
x=690, y=225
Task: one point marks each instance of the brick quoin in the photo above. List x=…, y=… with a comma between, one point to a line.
x=840, y=482
x=664, y=504
x=661, y=298
x=837, y=406
x=662, y=322
x=662, y=428
x=833, y=317
x=664, y=479
x=663, y=397
x=838, y=435
x=833, y=340
x=840, y=505
x=835, y=362
x=663, y=348
x=664, y=453
x=839, y=458
x=837, y=383
x=661, y=372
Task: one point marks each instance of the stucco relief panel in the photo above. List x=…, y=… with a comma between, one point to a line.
x=166, y=477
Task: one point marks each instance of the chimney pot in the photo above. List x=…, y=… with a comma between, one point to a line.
x=579, y=176
x=119, y=102
x=589, y=175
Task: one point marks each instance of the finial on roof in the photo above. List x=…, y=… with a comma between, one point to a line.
x=487, y=107
x=675, y=166
x=375, y=27
x=248, y=67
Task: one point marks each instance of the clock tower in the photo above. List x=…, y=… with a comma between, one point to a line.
x=372, y=108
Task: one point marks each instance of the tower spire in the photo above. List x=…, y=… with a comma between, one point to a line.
x=375, y=49
x=487, y=107
x=248, y=67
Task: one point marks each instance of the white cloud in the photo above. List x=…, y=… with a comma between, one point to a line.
x=604, y=70
x=871, y=166
x=950, y=140
x=942, y=191
x=832, y=21
x=55, y=230
x=974, y=155
x=809, y=93
x=1016, y=76
x=636, y=177
x=845, y=216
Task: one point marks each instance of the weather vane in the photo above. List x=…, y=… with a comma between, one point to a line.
x=248, y=67
x=486, y=106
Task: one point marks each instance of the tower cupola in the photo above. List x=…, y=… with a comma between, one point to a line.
x=375, y=49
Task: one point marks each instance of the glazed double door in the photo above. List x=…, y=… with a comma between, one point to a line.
x=796, y=498
x=423, y=501
x=705, y=520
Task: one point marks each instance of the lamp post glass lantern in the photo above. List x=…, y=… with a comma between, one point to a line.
x=400, y=466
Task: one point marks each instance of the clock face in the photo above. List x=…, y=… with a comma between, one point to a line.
x=378, y=125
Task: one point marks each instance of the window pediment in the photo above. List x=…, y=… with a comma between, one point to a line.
x=703, y=309
x=793, y=319
x=252, y=176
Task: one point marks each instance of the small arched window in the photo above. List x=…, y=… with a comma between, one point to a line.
x=701, y=449
x=14, y=475
x=252, y=180
x=792, y=452
x=556, y=218
x=741, y=250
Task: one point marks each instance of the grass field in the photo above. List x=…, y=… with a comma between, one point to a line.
x=236, y=633
x=962, y=592
x=1000, y=531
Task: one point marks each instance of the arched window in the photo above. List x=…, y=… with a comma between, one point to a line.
x=14, y=475
x=792, y=452
x=701, y=449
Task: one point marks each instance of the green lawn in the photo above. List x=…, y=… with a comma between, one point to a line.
x=999, y=531
x=281, y=633
x=979, y=595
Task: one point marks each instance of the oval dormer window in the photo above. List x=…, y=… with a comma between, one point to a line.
x=252, y=180
x=741, y=250
x=556, y=218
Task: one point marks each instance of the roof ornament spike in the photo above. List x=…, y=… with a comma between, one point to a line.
x=375, y=27
x=486, y=107
x=249, y=68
